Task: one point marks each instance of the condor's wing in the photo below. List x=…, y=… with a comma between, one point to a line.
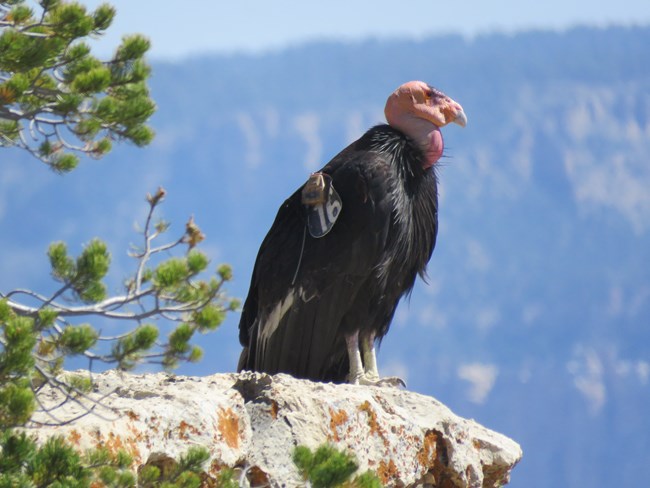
x=305, y=291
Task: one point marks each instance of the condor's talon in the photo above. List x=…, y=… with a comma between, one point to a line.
x=369, y=380
x=393, y=381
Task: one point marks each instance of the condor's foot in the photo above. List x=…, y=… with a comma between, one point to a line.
x=372, y=380
x=365, y=372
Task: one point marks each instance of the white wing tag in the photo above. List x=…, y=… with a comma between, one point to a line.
x=322, y=202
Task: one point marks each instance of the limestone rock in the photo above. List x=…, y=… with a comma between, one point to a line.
x=253, y=421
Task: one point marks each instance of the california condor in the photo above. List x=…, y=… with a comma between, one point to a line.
x=347, y=245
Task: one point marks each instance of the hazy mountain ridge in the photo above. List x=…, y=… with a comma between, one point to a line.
x=537, y=313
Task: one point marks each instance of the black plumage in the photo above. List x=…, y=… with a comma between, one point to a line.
x=312, y=301
x=353, y=276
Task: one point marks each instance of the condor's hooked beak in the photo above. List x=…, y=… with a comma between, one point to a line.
x=452, y=112
x=461, y=118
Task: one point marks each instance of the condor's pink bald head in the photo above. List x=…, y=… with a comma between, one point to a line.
x=419, y=111
x=417, y=99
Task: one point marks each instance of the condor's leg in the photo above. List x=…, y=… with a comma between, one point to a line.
x=364, y=372
x=354, y=356
x=368, y=355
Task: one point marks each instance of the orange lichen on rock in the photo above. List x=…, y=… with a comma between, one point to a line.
x=132, y=415
x=337, y=419
x=274, y=409
x=387, y=471
x=229, y=427
x=185, y=429
x=113, y=443
x=373, y=423
x=74, y=437
x=428, y=453
x=372, y=418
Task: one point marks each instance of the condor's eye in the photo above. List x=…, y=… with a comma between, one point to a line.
x=428, y=95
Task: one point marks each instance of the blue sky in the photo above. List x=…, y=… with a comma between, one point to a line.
x=178, y=29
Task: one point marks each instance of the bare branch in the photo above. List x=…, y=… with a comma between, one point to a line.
x=147, y=246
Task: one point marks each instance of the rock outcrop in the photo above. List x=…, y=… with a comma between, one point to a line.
x=253, y=421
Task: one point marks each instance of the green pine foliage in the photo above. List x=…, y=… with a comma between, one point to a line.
x=186, y=472
x=17, y=341
x=83, y=276
x=57, y=100
x=328, y=467
x=56, y=463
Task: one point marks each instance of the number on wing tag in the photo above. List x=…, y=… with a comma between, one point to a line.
x=322, y=202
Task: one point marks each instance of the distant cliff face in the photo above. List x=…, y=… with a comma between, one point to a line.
x=253, y=422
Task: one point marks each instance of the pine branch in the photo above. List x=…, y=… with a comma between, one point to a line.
x=167, y=291
x=49, y=79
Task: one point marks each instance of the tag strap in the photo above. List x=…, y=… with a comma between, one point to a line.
x=302, y=251
x=322, y=203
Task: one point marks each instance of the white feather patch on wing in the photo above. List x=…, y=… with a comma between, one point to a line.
x=274, y=318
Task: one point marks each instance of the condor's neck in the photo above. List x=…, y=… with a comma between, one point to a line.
x=425, y=135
